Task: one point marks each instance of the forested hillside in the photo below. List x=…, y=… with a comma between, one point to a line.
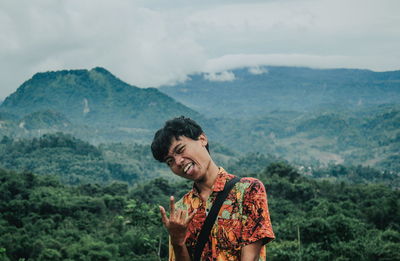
x=86, y=102
x=364, y=137
x=42, y=219
x=77, y=162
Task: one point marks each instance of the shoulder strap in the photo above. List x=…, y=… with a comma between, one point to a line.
x=212, y=215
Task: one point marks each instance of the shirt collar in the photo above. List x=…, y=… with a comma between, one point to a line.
x=221, y=179
x=219, y=184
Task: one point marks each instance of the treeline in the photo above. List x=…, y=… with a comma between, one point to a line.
x=356, y=175
x=255, y=163
x=75, y=161
x=78, y=162
x=43, y=219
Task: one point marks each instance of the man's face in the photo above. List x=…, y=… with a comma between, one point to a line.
x=189, y=158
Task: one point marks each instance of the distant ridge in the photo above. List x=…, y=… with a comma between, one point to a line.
x=255, y=91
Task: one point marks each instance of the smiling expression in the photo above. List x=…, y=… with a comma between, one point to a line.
x=189, y=158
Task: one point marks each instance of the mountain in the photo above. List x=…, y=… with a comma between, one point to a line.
x=349, y=122
x=253, y=91
x=95, y=97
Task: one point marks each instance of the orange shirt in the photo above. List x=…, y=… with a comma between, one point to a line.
x=243, y=219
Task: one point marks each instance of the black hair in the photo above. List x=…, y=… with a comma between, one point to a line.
x=180, y=126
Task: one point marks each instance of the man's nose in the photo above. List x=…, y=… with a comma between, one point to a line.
x=179, y=160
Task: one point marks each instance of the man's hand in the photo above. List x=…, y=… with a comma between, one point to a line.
x=177, y=223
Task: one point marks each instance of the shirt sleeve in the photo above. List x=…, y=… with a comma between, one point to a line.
x=255, y=218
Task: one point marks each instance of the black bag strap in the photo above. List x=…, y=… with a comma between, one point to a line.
x=212, y=215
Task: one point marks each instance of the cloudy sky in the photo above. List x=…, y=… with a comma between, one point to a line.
x=151, y=43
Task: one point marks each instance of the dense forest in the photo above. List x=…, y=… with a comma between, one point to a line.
x=76, y=162
x=337, y=213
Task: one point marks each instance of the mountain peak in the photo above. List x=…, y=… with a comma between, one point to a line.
x=93, y=97
x=101, y=70
x=75, y=72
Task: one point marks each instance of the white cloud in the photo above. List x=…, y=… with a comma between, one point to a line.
x=151, y=43
x=220, y=77
x=133, y=42
x=256, y=70
x=229, y=62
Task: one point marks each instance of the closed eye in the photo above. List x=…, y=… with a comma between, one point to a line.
x=180, y=150
x=169, y=161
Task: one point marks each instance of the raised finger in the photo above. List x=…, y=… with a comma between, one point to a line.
x=171, y=206
x=164, y=217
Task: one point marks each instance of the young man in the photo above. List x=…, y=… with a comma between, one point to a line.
x=243, y=225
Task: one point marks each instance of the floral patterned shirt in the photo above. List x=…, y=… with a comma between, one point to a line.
x=243, y=219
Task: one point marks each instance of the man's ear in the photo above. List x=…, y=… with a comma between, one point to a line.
x=203, y=139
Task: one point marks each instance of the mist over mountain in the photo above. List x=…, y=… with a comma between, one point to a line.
x=253, y=91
